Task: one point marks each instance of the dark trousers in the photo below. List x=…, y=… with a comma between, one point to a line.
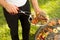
x=12, y=21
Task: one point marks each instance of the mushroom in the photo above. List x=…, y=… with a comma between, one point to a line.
x=55, y=30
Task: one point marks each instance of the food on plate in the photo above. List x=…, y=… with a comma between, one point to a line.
x=50, y=30
x=52, y=23
x=58, y=28
x=34, y=21
x=55, y=30
x=39, y=19
x=58, y=21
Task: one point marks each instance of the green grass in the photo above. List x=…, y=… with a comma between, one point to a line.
x=51, y=7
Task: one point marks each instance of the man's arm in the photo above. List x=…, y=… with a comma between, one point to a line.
x=3, y=3
x=12, y=9
x=37, y=10
x=35, y=6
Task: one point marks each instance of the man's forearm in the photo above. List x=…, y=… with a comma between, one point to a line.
x=3, y=3
x=35, y=4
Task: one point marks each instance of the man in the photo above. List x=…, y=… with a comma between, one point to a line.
x=11, y=11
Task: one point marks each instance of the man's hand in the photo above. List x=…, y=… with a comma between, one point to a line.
x=12, y=9
x=41, y=15
x=37, y=10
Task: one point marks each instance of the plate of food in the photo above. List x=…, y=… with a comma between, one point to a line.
x=40, y=19
x=51, y=31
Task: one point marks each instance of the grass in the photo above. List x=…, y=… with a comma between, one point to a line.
x=51, y=7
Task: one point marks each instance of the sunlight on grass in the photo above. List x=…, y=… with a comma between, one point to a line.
x=52, y=8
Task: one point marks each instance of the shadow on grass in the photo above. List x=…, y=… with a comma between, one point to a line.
x=2, y=18
x=32, y=36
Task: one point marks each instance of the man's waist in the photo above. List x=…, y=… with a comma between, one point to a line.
x=17, y=3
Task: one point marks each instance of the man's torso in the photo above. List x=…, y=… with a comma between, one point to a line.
x=17, y=3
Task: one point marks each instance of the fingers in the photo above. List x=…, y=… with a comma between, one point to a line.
x=17, y=8
x=41, y=14
x=14, y=10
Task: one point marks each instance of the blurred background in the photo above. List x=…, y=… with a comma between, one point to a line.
x=51, y=7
